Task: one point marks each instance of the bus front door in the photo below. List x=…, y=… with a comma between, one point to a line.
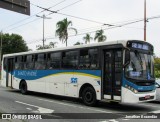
x=112, y=74
x=9, y=71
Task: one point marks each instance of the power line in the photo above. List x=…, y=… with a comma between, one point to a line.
x=32, y=15
x=69, y=5
x=85, y=19
x=113, y=26
x=121, y=25
x=72, y=15
x=23, y=24
x=45, y=10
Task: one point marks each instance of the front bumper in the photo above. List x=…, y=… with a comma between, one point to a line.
x=130, y=97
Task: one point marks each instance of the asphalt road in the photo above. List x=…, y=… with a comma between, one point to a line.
x=158, y=94
x=57, y=107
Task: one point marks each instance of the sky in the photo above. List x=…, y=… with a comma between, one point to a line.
x=113, y=12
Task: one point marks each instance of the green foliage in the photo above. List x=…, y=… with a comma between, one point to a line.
x=62, y=30
x=78, y=43
x=99, y=36
x=87, y=38
x=157, y=67
x=51, y=45
x=13, y=43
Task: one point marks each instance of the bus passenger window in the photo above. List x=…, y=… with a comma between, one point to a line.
x=29, y=62
x=84, y=59
x=70, y=59
x=40, y=61
x=88, y=59
x=54, y=60
x=19, y=62
x=93, y=56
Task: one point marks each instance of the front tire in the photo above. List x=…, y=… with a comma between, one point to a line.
x=89, y=96
x=23, y=87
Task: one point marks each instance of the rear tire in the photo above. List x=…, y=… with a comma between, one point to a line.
x=23, y=87
x=89, y=96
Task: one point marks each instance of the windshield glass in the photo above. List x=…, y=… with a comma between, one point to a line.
x=140, y=67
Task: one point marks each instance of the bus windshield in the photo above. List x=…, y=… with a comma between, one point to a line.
x=140, y=66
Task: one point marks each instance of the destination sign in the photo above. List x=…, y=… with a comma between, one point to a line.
x=140, y=45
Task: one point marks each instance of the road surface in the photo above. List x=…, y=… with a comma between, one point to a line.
x=57, y=107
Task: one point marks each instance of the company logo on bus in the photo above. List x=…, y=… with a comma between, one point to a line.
x=74, y=80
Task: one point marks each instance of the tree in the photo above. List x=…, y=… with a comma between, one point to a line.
x=99, y=36
x=87, y=38
x=40, y=47
x=13, y=43
x=62, y=30
x=78, y=43
x=157, y=67
x=51, y=45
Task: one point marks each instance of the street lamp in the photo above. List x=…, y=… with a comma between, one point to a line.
x=43, y=17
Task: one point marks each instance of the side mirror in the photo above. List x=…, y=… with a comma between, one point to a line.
x=157, y=85
x=127, y=57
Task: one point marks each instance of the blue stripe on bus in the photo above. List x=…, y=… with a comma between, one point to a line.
x=139, y=88
x=37, y=74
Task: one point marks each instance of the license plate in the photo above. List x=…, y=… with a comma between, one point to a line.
x=147, y=97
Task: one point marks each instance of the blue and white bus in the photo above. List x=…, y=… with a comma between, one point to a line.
x=121, y=71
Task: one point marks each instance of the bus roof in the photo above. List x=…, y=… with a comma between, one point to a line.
x=123, y=42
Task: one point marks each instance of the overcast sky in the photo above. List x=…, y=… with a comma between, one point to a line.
x=103, y=11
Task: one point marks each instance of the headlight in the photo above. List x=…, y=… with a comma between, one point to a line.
x=135, y=91
x=132, y=89
x=129, y=87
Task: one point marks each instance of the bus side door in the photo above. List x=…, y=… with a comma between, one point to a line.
x=112, y=74
x=9, y=72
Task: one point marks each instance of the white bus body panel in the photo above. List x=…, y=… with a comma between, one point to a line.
x=16, y=82
x=129, y=97
x=3, y=78
x=61, y=84
x=36, y=85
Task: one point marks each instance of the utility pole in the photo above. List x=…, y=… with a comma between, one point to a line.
x=43, y=17
x=1, y=49
x=145, y=21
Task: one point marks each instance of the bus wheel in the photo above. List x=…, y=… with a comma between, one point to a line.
x=89, y=96
x=23, y=87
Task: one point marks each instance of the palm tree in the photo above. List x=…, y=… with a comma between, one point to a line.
x=99, y=36
x=78, y=43
x=87, y=38
x=62, y=30
x=53, y=44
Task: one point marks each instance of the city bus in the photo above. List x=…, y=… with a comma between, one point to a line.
x=120, y=71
